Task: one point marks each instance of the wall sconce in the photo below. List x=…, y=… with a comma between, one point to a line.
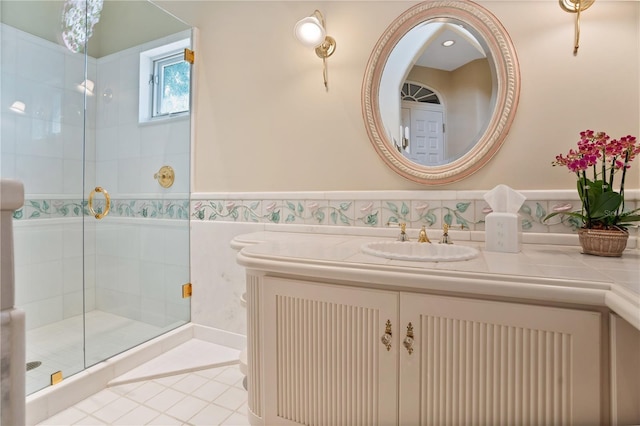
x=311, y=33
x=576, y=6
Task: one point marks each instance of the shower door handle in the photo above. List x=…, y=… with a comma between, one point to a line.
x=107, y=200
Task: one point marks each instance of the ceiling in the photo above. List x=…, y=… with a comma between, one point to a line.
x=122, y=24
x=465, y=49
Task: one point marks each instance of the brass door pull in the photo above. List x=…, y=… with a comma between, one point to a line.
x=386, y=337
x=408, y=341
x=107, y=200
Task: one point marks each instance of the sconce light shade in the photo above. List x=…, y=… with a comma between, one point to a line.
x=575, y=5
x=309, y=31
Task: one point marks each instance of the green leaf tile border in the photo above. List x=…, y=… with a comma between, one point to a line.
x=462, y=214
x=60, y=208
x=465, y=214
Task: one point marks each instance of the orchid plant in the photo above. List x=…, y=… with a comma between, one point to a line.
x=597, y=162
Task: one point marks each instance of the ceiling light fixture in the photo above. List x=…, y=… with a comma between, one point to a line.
x=576, y=6
x=18, y=107
x=87, y=85
x=311, y=32
x=448, y=43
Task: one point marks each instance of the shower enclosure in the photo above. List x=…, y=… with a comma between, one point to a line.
x=90, y=117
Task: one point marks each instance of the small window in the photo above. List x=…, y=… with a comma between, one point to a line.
x=165, y=80
x=171, y=76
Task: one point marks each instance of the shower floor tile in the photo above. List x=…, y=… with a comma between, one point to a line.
x=213, y=397
x=59, y=346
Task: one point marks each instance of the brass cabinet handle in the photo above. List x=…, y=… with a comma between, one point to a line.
x=408, y=341
x=107, y=200
x=386, y=337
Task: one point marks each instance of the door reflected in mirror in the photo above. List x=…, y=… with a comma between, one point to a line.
x=445, y=92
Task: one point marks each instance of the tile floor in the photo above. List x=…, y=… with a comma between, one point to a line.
x=213, y=396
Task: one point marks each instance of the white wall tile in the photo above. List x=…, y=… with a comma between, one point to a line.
x=107, y=143
x=128, y=141
x=129, y=175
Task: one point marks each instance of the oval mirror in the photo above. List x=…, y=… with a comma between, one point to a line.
x=440, y=91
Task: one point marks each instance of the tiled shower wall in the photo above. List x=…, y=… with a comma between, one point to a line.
x=45, y=147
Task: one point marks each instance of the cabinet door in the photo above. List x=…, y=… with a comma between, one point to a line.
x=323, y=356
x=491, y=363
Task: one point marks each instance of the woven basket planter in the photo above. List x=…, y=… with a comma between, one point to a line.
x=603, y=242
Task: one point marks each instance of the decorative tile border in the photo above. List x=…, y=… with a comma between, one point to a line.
x=460, y=210
x=39, y=208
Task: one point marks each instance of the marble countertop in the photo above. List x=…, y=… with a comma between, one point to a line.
x=552, y=273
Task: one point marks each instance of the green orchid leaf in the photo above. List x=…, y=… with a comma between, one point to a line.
x=525, y=209
x=290, y=218
x=404, y=210
x=448, y=218
x=630, y=218
x=576, y=214
x=345, y=206
x=605, y=205
x=540, y=211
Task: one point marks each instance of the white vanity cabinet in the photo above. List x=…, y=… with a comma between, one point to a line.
x=317, y=357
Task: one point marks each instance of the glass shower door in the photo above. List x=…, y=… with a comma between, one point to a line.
x=136, y=251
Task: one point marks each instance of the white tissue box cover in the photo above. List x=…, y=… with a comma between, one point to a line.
x=502, y=232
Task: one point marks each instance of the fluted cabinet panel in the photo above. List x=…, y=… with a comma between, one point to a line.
x=254, y=345
x=478, y=366
x=329, y=357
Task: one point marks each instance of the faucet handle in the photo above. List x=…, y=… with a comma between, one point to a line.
x=403, y=231
x=445, y=235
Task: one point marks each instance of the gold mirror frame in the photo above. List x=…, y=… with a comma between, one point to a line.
x=506, y=76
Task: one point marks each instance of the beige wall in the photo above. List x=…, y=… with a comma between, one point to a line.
x=265, y=122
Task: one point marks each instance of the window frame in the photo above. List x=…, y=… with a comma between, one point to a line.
x=148, y=98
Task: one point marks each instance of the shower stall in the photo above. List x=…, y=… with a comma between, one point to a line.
x=95, y=122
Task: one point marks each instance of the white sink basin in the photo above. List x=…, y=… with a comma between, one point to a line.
x=424, y=252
